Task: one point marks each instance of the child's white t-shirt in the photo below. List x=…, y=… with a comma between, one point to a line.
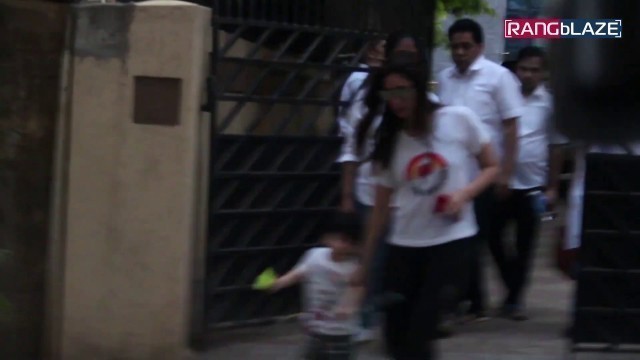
x=325, y=284
x=421, y=169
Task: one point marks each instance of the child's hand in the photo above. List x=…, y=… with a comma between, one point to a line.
x=275, y=287
x=266, y=280
x=272, y=283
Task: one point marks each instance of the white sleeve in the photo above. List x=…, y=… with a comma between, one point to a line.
x=341, y=118
x=349, y=93
x=508, y=96
x=348, y=130
x=306, y=260
x=476, y=135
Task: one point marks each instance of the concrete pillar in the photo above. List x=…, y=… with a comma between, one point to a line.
x=129, y=182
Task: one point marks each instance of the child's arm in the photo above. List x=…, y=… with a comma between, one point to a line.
x=289, y=279
x=350, y=302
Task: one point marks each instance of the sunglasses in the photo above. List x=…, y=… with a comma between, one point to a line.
x=401, y=93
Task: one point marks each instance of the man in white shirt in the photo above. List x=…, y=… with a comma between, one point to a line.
x=374, y=57
x=530, y=181
x=493, y=93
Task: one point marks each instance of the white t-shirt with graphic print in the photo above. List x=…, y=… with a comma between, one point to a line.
x=365, y=181
x=325, y=284
x=421, y=169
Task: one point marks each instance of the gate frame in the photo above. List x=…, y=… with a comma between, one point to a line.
x=202, y=329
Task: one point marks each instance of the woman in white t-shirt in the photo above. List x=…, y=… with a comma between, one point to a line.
x=362, y=120
x=422, y=157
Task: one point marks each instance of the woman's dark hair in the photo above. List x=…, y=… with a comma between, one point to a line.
x=394, y=39
x=391, y=44
x=387, y=133
x=393, y=59
x=372, y=101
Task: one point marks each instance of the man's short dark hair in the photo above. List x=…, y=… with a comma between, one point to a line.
x=532, y=52
x=348, y=224
x=467, y=25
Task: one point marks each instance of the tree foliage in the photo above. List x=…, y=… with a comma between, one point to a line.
x=469, y=7
x=457, y=8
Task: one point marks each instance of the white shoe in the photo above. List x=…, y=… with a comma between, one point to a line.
x=364, y=335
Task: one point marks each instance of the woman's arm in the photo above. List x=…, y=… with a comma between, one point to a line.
x=490, y=170
x=488, y=174
x=349, y=169
x=377, y=223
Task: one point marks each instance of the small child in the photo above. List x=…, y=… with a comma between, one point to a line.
x=330, y=302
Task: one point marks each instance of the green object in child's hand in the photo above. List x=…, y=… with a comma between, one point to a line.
x=265, y=280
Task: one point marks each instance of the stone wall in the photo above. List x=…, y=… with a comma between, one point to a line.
x=31, y=41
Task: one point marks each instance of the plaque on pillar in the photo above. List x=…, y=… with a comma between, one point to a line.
x=157, y=101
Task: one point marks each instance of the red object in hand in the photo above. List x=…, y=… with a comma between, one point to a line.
x=441, y=203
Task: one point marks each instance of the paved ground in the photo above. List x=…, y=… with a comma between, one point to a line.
x=497, y=339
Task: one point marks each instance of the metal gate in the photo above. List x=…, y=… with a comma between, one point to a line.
x=276, y=69
x=606, y=315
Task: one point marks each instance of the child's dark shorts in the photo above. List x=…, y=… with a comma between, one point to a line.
x=329, y=347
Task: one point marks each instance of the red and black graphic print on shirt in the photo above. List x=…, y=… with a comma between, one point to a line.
x=427, y=173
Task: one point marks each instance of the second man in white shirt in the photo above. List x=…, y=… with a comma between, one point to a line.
x=527, y=200
x=493, y=93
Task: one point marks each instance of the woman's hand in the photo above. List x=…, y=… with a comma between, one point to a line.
x=456, y=203
x=451, y=204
